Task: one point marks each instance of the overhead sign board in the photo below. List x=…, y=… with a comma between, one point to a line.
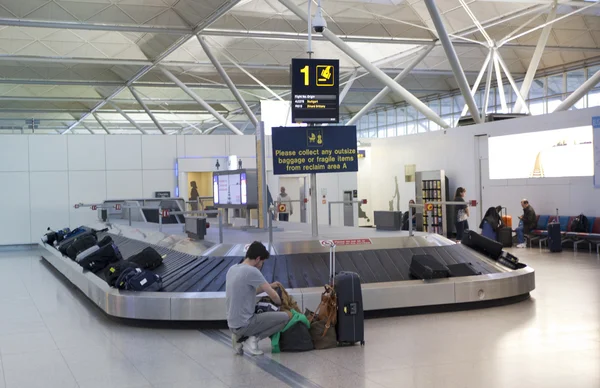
x=315, y=90
x=162, y=194
x=306, y=150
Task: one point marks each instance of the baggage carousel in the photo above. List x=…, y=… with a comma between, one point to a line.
x=194, y=284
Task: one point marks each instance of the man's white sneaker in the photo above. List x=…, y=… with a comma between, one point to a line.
x=238, y=347
x=522, y=245
x=252, y=347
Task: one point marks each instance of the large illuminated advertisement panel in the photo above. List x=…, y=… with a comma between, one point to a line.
x=567, y=152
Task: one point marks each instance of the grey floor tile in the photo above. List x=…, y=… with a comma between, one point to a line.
x=214, y=383
x=258, y=379
x=169, y=366
x=26, y=342
x=37, y=370
x=102, y=365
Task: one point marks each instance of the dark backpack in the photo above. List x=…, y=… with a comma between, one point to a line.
x=296, y=339
x=580, y=224
x=101, y=258
x=80, y=244
x=113, y=271
x=136, y=279
x=147, y=259
x=93, y=249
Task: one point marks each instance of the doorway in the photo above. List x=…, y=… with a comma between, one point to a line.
x=296, y=189
x=348, y=209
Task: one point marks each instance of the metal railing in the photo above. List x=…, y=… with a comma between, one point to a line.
x=329, y=203
x=429, y=211
x=162, y=213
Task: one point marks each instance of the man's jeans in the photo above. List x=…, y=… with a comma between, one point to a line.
x=520, y=235
x=263, y=325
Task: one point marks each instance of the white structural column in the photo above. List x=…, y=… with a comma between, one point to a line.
x=384, y=92
x=487, y=60
x=200, y=101
x=536, y=58
x=228, y=81
x=579, y=92
x=511, y=80
x=374, y=70
x=101, y=123
x=488, y=85
x=500, y=83
x=148, y=112
x=131, y=121
x=349, y=84
x=459, y=74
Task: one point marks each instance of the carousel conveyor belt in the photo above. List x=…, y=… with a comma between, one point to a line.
x=186, y=273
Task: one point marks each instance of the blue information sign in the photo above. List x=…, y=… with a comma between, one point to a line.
x=306, y=150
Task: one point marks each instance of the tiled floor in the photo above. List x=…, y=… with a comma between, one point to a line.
x=52, y=337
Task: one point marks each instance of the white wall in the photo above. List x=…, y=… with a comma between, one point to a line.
x=458, y=152
x=43, y=176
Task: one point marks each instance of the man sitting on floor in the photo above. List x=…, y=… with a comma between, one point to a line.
x=527, y=224
x=244, y=281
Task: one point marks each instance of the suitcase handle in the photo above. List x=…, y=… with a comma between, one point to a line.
x=331, y=262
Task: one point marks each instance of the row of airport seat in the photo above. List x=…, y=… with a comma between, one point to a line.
x=591, y=237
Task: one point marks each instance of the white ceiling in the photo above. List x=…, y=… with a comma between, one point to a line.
x=60, y=60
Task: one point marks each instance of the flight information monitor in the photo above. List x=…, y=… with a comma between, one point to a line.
x=315, y=91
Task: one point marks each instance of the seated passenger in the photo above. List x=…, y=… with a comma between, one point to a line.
x=243, y=282
x=490, y=223
x=527, y=223
x=406, y=215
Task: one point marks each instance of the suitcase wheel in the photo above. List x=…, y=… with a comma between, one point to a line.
x=362, y=343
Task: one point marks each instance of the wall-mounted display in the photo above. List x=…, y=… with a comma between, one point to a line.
x=566, y=152
x=235, y=189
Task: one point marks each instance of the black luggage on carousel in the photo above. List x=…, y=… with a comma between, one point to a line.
x=101, y=258
x=350, y=326
x=462, y=269
x=505, y=237
x=487, y=246
x=113, y=271
x=428, y=267
x=136, y=279
x=147, y=259
x=76, y=235
x=554, y=237
x=80, y=244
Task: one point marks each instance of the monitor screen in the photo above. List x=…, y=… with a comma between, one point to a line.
x=566, y=152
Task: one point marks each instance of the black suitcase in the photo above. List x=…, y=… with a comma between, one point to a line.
x=462, y=269
x=554, y=237
x=350, y=327
x=80, y=244
x=428, y=267
x=505, y=237
x=487, y=246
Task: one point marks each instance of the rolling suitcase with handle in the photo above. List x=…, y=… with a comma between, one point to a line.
x=350, y=325
x=554, y=235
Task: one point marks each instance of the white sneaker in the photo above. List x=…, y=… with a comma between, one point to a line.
x=252, y=347
x=522, y=245
x=238, y=347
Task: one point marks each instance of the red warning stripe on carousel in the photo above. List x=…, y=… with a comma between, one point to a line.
x=354, y=241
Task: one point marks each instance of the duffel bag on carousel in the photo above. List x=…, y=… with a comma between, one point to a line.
x=147, y=259
x=100, y=259
x=137, y=279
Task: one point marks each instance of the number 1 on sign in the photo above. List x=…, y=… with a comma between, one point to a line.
x=305, y=71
